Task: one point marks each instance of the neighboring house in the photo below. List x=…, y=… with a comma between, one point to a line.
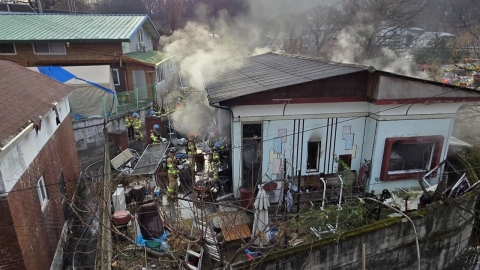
x=426, y=39
x=39, y=167
x=353, y=113
x=127, y=43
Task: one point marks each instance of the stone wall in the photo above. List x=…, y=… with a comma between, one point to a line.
x=443, y=233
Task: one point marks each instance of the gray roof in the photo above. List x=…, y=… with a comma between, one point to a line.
x=271, y=71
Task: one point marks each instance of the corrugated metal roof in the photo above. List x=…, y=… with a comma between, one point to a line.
x=149, y=57
x=67, y=27
x=271, y=71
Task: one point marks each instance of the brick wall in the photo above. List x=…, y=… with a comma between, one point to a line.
x=38, y=231
x=10, y=253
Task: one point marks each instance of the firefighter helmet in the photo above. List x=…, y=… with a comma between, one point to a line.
x=134, y=114
x=156, y=126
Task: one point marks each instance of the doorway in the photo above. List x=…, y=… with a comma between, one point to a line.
x=252, y=146
x=140, y=83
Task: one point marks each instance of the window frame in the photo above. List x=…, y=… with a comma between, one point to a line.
x=42, y=187
x=319, y=147
x=14, y=50
x=438, y=142
x=49, y=49
x=118, y=76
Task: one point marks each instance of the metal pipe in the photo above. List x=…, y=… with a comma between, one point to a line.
x=136, y=96
x=293, y=143
x=413, y=225
x=324, y=192
x=341, y=193
x=301, y=160
x=431, y=171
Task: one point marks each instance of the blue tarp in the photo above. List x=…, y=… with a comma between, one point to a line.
x=62, y=75
x=162, y=241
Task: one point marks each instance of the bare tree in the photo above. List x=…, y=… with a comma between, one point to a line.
x=174, y=10
x=377, y=23
x=321, y=23
x=293, y=34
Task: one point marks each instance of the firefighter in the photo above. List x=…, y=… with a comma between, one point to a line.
x=155, y=134
x=137, y=126
x=129, y=124
x=192, y=151
x=216, y=160
x=172, y=174
x=155, y=106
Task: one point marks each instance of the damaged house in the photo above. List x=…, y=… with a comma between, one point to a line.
x=290, y=115
x=39, y=168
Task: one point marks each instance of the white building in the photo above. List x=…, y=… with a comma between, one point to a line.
x=307, y=113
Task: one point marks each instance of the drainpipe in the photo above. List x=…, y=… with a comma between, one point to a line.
x=231, y=142
x=40, y=9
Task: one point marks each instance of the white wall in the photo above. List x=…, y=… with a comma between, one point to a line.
x=405, y=128
x=132, y=45
x=236, y=145
x=371, y=125
x=23, y=149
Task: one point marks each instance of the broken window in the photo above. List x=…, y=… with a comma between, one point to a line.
x=313, y=156
x=42, y=192
x=346, y=160
x=407, y=158
x=7, y=48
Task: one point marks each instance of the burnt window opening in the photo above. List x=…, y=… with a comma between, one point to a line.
x=346, y=160
x=313, y=156
x=409, y=158
x=61, y=185
x=252, y=131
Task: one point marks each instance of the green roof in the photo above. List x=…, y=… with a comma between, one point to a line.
x=150, y=57
x=19, y=28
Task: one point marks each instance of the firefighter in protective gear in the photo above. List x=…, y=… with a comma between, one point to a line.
x=173, y=172
x=216, y=160
x=129, y=124
x=155, y=106
x=192, y=151
x=155, y=134
x=137, y=126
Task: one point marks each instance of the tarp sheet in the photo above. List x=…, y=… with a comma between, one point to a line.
x=62, y=75
x=86, y=101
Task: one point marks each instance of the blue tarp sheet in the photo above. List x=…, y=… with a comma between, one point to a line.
x=162, y=241
x=62, y=75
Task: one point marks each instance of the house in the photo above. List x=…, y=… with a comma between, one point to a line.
x=127, y=43
x=289, y=114
x=39, y=167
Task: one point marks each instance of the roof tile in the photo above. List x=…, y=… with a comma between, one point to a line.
x=271, y=71
x=25, y=94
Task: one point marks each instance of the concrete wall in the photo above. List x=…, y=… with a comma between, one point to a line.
x=89, y=133
x=390, y=244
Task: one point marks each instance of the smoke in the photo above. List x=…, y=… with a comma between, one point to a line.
x=351, y=50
